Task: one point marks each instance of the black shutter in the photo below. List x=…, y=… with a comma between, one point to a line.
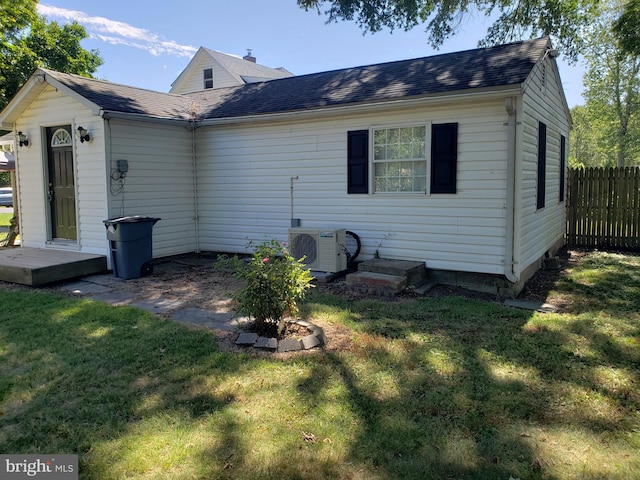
x=542, y=164
x=444, y=157
x=563, y=164
x=358, y=161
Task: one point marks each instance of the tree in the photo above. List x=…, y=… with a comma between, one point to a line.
x=627, y=28
x=564, y=19
x=28, y=41
x=591, y=143
x=612, y=92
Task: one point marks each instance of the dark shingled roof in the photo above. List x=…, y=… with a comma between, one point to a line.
x=114, y=97
x=491, y=67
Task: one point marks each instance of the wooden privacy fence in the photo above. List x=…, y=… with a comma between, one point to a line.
x=603, y=207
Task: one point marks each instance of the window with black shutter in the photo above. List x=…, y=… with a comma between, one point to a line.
x=542, y=164
x=358, y=161
x=563, y=164
x=444, y=157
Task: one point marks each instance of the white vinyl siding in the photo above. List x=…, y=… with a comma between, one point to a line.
x=538, y=230
x=245, y=175
x=159, y=182
x=49, y=109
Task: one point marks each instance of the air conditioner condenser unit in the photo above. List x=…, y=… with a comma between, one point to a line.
x=324, y=250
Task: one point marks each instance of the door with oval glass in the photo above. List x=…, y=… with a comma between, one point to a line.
x=62, y=190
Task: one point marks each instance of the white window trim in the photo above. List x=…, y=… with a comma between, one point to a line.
x=372, y=163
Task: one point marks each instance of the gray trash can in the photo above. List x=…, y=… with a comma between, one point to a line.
x=130, y=239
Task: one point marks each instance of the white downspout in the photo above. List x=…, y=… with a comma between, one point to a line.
x=510, y=107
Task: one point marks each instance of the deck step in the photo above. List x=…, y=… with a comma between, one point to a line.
x=415, y=272
x=36, y=267
x=378, y=283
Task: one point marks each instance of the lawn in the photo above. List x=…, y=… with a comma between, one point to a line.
x=432, y=388
x=5, y=219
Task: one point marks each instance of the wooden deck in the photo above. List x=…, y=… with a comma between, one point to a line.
x=37, y=266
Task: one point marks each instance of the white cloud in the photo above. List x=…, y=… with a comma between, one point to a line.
x=118, y=33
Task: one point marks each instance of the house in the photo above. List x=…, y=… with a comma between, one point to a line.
x=213, y=69
x=456, y=160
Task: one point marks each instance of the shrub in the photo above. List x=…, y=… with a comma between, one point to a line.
x=275, y=283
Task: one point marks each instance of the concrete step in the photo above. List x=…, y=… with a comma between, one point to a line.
x=379, y=283
x=414, y=272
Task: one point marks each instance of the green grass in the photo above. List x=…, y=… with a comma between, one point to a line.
x=431, y=388
x=5, y=219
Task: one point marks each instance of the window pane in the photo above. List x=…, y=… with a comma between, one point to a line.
x=403, y=145
x=379, y=137
x=406, y=169
x=393, y=135
x=393, y=184
x=380, y=152
x=406, y=185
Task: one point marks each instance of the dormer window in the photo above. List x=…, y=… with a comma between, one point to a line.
x=208, y=78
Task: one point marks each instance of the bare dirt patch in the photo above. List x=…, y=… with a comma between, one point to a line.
x=194, y=282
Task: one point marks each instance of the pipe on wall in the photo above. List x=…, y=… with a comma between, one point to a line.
x=509, y=268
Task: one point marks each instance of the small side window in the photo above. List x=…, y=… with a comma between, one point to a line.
x=208, y=78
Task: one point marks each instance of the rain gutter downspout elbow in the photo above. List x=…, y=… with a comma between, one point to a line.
x=510, y=107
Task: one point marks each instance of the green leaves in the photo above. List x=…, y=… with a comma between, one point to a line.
x=565, y=20
x=275, y=282
x=28, y=41
x=626, y=28
x=607, y=129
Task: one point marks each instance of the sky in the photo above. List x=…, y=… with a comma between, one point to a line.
x=148, y=43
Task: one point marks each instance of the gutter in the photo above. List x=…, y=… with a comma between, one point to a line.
x=140, y=117
x=509, y=267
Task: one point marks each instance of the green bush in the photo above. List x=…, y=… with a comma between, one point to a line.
x=275, y=283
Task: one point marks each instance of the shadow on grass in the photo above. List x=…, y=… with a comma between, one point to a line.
x=471, y=387
x=75, y=374
x=433, y=388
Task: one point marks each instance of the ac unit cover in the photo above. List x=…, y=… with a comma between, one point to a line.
x=305, y=245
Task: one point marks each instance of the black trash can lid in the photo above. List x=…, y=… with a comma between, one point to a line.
x=130, y=219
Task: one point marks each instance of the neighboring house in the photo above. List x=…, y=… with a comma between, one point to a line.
x=457, y=160
x=211, y=69
x=7, y=142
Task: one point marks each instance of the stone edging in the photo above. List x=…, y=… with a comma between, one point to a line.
x=315, y=339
